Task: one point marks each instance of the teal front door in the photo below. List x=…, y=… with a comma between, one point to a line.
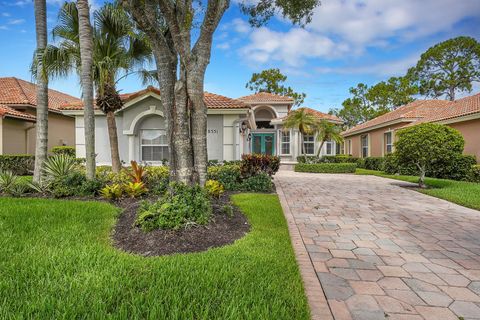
x=263, y=143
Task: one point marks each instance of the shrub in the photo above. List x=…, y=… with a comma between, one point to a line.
x=261, y=182
x=59, y=166
x=326, y=167
x=474, y=175
x=137, y=172
x=341, y=158
x=67, y=185
x=459, y=168
x=253, y=164
x=8, y=182
x=157, y=179
x=18, y=164
x=214, y=188
x=66, y=150
x=135, y=189
x=112, y=192
x=428, y=145
x=374, y=163
x=91, y=187
x=227, y=175
x=211, y=163
x=181, y=205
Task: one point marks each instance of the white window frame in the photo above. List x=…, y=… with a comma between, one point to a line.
x=307, y=142
x=363, y=147
x=151, y=145
x=282, y=143
x=385, y=145
x=349, y=147
x=332, y=148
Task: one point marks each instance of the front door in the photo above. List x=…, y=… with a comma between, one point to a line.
x=263, y=143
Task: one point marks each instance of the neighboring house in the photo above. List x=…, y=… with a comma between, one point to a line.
x=251, y=124
x=18, y=121
x=375, y=138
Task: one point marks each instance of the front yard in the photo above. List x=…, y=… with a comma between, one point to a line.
x=57, y=261
x=460, y=192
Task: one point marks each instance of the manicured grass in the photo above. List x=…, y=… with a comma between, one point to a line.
x=463, y=193
x=56, y=261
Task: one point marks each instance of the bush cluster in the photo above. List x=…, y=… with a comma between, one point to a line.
x=341, y=158
x=326, y=167
x=18, y=164
x=66, y=150
x=180, y=206
x=253, y=164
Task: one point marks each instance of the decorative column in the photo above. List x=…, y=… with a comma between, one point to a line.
x=131, y=147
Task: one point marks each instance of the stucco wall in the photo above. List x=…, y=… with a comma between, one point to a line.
x=376, y=140
x=15, y=137
x=471, y=133
x=215, y=137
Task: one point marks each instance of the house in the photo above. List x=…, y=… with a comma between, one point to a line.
x=251, y=124
x=18, y=121
x=375, y=138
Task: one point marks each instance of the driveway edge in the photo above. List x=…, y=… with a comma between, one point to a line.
x=319, y=308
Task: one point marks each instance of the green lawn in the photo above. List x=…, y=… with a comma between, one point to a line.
x=463, y=193
x=56, y=261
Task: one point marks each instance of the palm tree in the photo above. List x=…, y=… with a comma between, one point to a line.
x=118, y=49
x=327, y=131
x=86, y=57
x=41, y=143
x=303, y=121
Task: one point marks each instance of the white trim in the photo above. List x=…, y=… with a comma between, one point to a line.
x=280, y=131
x=368, y=146
x=227, y=111
x=139, y=116
x=381, y=125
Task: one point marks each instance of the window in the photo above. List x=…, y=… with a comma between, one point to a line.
x=388, y=142
x=309, y=143
x=285, y=142
x=364, y=143
x=349, y=147
x=329, y=147
x=153, y=145
x=339, y=148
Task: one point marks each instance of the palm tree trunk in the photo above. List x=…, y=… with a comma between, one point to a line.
x=302, y=143
x=113, y=137
x=86, y=55
x=41, y=144
x=320, y=148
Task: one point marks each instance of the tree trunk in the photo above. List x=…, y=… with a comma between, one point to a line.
x=320, y=148
x=421, y=181
x=86, y=56
x=41, y=143
x=451, y=94
x=112, y=136
x=302, y=143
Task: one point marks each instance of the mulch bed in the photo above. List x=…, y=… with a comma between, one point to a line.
x=221, y=230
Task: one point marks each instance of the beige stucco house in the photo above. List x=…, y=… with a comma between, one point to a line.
x=251, y=124
x=375, y=138
x=18, y=121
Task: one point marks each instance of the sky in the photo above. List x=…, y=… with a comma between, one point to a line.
x=347, y=42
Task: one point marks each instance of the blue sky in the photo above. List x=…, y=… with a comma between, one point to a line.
x=347, y=42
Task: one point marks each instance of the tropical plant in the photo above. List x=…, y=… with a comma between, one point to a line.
x=118, y=50
x=135, y=189
x=68, y=150
x=182, y=34
x=214, y=188
x=303, y=121
x=327, y=131
x=41, y=187
x=59, y=166
x=41, y=140
x=7, y=181
x=138, y=172
x=85, y=42
x=112, y=192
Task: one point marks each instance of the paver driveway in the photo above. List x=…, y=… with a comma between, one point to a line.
x=382, y=251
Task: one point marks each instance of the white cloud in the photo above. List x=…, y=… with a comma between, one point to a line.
x=3, y=28
x=16, y=21
x=290, y=47
x=223, y=46
x=240, y=26
x=387, y=68
x=5, y=14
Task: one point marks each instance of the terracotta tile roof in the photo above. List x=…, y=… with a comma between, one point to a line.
x=321, y=115
x=265, y=97
x=458, y=108
x=6, y=111
x=410, y=112
x=14, y=91
x=213, y=101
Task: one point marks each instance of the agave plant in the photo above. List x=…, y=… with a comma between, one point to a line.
x=8, y=180
x=41, y=187
x=58, y=166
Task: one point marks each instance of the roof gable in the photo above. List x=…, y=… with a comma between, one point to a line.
x=266, y=97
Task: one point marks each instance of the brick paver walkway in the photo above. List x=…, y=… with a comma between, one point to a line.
x=381, y=251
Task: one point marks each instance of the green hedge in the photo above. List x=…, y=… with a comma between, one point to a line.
x=68, y=150
x=341, y=158
x=19, y=164
x=326, y=167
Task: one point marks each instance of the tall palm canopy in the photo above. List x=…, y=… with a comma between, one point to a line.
x=119, y=49
x=327, y=131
